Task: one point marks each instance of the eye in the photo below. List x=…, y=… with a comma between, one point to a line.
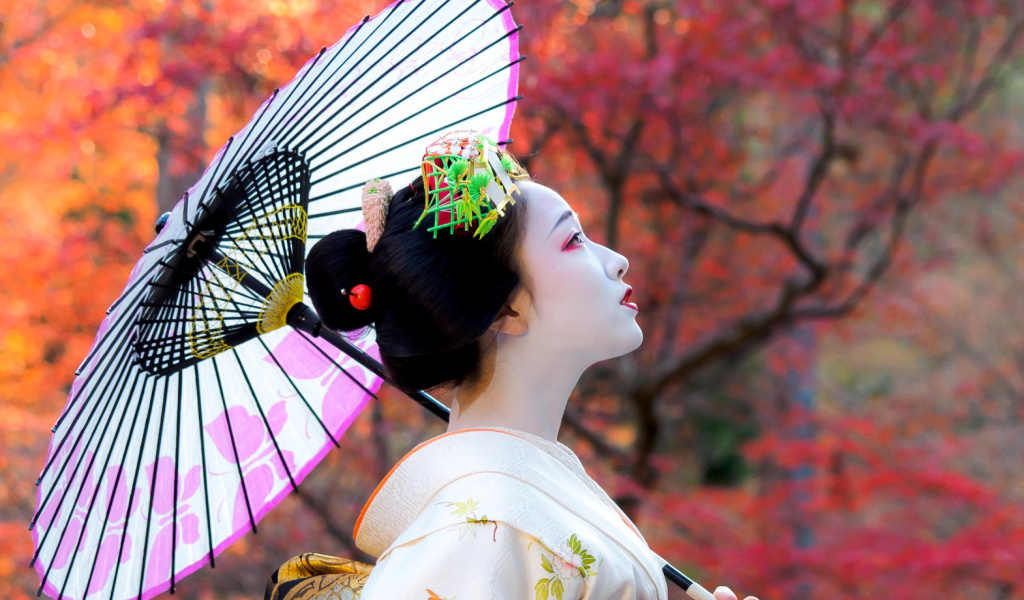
x=577, y=236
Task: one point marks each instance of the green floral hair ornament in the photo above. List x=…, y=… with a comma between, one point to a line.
x=468, y=182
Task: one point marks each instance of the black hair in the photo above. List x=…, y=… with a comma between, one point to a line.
x=431, y=299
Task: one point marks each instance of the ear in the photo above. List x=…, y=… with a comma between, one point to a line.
x=511, y=320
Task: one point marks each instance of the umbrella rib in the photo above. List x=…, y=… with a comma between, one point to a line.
x=216, y=176
x=230, y=291
x=202, y=454
x=245, y=291
x=234, y=448
x=131, y=288
x=117, y=479
x=152, y=487
x=266, y=423
x=387, y=35
x=334, y=212
x=296, y=388
x=289, y=186
x=443, y=127
x=252, y=126
x=96, y=490
x=111, y=342
x=316, y=155
x=343, y=369
x=156, y=469
x=196, y=292
x=123, y=377
x=177, y=241
x=397, y=83
x=199, y=273
x=352, y=187
x=187, y=307
x=71, y=480
x=411, y=94
x=290, y=130
x=135, y=481
x=278, y=274
x=245, y=198
x=292, y=88
x=177, y=459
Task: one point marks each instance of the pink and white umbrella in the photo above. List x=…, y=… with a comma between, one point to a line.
x=203, y=400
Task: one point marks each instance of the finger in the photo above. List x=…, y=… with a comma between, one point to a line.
x=724, y=593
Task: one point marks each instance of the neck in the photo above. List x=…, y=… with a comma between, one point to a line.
x=521, y=387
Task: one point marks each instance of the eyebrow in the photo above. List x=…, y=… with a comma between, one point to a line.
x=567, y=214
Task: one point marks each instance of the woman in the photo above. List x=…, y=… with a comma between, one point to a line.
x=510, y=318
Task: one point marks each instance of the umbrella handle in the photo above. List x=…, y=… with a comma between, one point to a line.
x=691, y=587
x=304, y=318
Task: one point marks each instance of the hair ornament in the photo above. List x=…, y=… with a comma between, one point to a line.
x=360, y=296
x=468, y=181
x=376, y=196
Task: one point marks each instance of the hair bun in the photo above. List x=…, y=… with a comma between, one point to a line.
x=339, y=261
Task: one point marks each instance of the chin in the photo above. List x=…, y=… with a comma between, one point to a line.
x=638, y=337
x=629, y=341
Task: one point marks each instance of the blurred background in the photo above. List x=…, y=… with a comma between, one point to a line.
x=820, y=201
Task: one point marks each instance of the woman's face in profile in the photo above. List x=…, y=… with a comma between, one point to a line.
x=577, y=287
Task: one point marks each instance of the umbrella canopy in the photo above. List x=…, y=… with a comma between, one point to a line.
x=210, y=391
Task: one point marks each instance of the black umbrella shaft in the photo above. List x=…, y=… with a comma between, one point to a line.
x=304, y=318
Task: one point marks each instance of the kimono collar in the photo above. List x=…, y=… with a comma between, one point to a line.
x=405, y=490
x=416, y=478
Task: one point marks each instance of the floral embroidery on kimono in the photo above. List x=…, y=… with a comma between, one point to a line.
x=468, y=509
x=570, y=561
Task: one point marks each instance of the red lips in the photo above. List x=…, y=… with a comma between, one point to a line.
x=625, y=299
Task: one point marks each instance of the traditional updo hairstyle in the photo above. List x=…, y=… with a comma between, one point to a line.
x=432, y=299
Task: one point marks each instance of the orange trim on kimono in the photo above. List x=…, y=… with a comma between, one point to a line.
x=362, y=513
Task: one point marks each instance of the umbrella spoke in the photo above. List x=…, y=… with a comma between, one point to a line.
x=234, y=447
x=322, y=97
x=421, y=137
x=396, y=85
x=215, y=177
x=342, y=190
x=340, y=368
x=304, y=142
x=152, y=488
x=98, y=486
x=202, y=455
x=263, y=415
x=174, y=504
x=162, y=244
x=297, y=85
x=112, y=342
x=122, y=377
x=117, y=479
x=135, y=481
x=70, y=483
x=413, y=93
x=296, y=388
x=278, y=273
x=125, y=294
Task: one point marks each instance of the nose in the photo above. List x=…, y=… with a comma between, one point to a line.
x=617, y=265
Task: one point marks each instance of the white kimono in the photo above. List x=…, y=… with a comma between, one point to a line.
x=496, y=513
